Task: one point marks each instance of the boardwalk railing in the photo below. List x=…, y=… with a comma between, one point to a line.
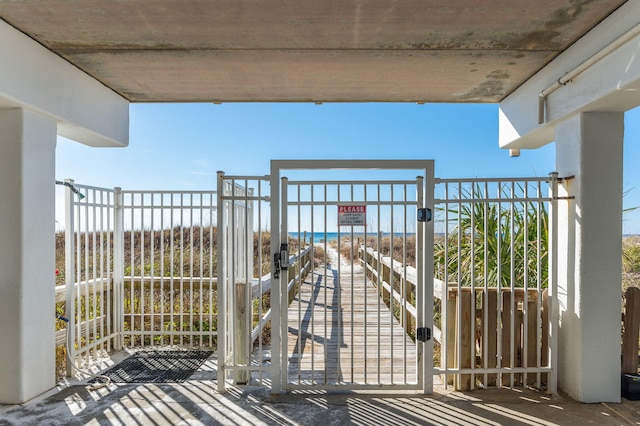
x=459, y=347
x=302, y=264
x=379, y=267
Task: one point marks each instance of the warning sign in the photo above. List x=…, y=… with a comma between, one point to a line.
x=352, y=215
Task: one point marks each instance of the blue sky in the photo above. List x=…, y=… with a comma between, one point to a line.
x=181, y=146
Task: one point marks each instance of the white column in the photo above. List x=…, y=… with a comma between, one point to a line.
x=589, y=147
x=27, y=255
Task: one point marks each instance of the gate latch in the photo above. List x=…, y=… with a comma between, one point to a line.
x=281, y=260
x=423, y=334
x=276, y=265
x=424, y=215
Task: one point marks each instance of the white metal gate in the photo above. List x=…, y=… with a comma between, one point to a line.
x=361, y=319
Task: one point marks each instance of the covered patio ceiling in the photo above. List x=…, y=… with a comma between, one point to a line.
x=308, y=51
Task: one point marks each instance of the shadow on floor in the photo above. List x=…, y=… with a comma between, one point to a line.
x=197, y=402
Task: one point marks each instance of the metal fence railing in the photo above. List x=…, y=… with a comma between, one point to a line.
x=139, y=270
x=142, y=268
x=494, y=249
x=168, y=257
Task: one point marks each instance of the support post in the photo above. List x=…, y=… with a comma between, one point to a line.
x=27, y=255
x=589, y=148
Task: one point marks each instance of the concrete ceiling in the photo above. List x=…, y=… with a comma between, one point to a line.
x=308, y=50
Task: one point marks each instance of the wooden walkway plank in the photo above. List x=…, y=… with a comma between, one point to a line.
x=341, y=332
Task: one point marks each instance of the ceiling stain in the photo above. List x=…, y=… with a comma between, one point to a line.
x=493, y=87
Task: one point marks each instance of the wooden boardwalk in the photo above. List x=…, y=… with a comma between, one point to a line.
x=342, y=333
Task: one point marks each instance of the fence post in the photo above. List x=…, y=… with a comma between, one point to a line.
x=70, y=275
x=221, y=283
x=118, y=268
x=241, y=350
x=631, y=330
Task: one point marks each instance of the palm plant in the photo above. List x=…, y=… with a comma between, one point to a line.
x=494, y=242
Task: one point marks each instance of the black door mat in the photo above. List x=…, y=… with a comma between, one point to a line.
x=156, y=367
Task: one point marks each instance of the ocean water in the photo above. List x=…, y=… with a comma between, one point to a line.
x=319, y=237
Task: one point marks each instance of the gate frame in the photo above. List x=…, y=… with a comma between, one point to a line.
x=279, y=236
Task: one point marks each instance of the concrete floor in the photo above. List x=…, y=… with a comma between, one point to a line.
x=197, y=402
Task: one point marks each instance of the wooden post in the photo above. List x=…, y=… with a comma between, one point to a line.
x=405, y=300
x=387, y=277
x=631, y=330
x=518, y=346
x=505, y=314
x=463, y=381
x=243, y=335
x=410, y=296
x=544, y=353
x=532, y=338
x=452, y=338
x=492, y=334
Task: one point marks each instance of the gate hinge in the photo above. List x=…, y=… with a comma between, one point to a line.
x=423, y=334
x=425, y=215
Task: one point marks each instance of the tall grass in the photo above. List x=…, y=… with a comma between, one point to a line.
x=630, y=262
x=180, y=251
x=176, y=252
x=504, y=243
